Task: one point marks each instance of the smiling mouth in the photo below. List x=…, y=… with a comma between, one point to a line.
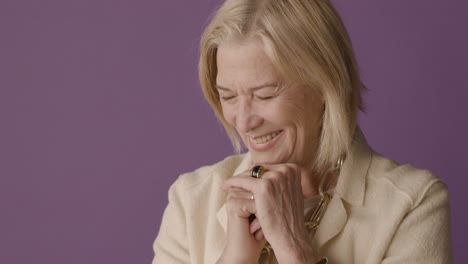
x=266, y=138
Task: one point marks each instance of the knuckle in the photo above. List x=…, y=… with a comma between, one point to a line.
x=286, y=170
x=266, y=186
x=292, y=168
x=231, y=204
x=244, y=207
x=275, y=175
x=234, y=194
x=283, y=169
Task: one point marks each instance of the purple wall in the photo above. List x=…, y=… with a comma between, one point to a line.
x=100, y=110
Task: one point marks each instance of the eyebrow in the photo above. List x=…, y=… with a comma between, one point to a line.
x=253, y=88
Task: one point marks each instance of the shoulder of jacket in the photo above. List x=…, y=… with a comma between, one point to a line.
x=216, y=173
x=406, y=179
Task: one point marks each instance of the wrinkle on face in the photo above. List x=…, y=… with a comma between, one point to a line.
x=295, y=109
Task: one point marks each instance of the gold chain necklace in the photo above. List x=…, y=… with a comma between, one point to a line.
x=325, y=198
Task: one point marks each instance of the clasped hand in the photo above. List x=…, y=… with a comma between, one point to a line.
x=278, y=204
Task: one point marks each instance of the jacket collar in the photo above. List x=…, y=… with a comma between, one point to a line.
x=351, y=187
x=351, y=184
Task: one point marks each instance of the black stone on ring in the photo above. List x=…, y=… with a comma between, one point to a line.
x=257, y=171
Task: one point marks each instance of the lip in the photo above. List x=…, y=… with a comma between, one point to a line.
x=264, y=146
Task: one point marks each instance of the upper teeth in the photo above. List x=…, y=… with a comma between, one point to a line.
x=266, y=138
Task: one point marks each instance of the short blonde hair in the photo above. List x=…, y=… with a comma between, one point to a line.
x=308, y=44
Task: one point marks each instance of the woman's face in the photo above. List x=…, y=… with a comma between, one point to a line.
x=278, y=121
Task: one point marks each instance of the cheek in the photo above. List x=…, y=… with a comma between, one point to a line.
x=289, y=114
x=280, y=110
x=302, y=119
x=228, y=114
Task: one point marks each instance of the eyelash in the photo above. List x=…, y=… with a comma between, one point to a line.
x=226, y=98
x=264, y=98
x=261, y=98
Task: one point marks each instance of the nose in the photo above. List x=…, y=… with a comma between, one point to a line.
x=247, y=117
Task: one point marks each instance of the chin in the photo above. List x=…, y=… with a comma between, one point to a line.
x=265, y=158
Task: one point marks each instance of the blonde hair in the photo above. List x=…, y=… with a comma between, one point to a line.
x=308, y=44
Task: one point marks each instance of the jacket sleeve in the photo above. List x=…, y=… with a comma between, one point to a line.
x=170, y=245
x=424, y=233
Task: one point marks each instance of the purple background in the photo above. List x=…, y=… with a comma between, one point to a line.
x=101, y=110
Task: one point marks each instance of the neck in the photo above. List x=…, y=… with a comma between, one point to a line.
x=310, y=183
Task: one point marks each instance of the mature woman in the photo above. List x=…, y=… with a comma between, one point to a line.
x=282, y=78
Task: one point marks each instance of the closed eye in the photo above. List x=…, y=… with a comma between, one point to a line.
x=226, y=98
x=263, y=98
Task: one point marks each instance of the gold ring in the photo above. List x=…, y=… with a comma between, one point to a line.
x=257, y=172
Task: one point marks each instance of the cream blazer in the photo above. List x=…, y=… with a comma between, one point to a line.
x=381, y=212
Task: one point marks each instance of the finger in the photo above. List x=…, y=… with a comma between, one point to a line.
x=259, y=234
x=236, y=182
x=248, y=173
x=280, y=167
x=286, y=169
x=245, y=173
x=235, y=189
x=255, y=226
x=244, y=179
x=241, y=207
x=267, y=167
x=246, y=183
x=239, y=193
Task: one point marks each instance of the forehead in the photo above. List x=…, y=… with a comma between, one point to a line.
x=243, y=64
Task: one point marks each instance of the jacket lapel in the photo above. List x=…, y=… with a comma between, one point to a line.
x=350, y=188
x=332, y=222
x=351, y=184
